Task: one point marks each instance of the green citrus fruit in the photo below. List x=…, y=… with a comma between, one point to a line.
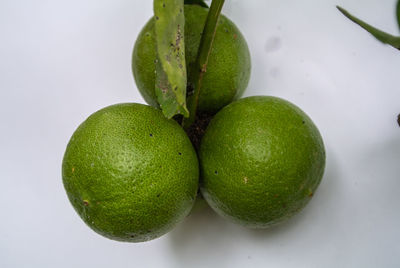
x=261, y=160
x=130, y=173
x=228, y=69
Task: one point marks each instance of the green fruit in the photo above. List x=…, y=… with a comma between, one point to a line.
x=261, y=160
x=130, y=173
x=228, y=69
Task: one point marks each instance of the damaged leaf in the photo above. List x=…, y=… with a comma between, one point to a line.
x=171, y=78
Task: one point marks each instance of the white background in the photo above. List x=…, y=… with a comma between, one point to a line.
x=62, y=60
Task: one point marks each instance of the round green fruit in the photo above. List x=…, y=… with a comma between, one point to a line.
x=261, y=160
x=130, y=173
x=228, y=69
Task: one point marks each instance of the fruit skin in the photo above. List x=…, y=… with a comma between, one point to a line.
x=261, y=160
x=228, y=69
x=130, y=173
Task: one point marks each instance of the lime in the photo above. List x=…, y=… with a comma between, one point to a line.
x=261, y=160
x=228, y=69
x=130, y=173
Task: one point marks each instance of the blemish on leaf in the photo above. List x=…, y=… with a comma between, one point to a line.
x=204, y=68
x=178, y=37
x=171, y=70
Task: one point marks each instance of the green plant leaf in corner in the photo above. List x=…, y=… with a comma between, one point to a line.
x=378, y=34
x=171, y=77
x=398, y=13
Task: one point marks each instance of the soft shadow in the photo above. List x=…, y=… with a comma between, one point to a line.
x=384, y=155
x=205, y=233
x=318, y=207
x=380, y=166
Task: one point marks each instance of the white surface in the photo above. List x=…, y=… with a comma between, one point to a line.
x=62, y=60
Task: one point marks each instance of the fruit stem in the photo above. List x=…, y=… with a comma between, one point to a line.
x=203, y=54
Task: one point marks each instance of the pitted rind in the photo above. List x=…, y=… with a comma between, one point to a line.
x=261, y=161
x=130, y=173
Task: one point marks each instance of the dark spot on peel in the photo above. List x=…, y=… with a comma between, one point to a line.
x=180, y=153
x=151, y=134
x=216, y=172
x=304, y=122
x=85, y=203
x=163, y=5
x=158, y=195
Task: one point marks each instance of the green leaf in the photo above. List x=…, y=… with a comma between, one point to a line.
x=378, y=34
x=398, y=13
x=196, y=2
x=171, y=77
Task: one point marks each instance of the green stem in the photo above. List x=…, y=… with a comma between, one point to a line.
x=203, y=54
x=378, y=34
